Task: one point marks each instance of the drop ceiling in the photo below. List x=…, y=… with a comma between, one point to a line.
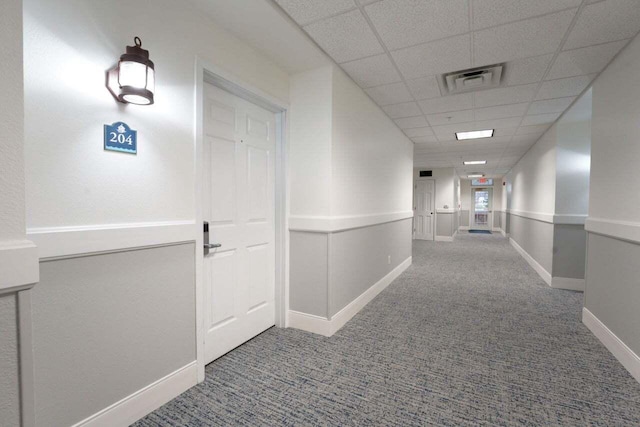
x=396, y=49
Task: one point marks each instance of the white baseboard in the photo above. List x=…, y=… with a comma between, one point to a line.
x=546, y=276
x=144, y=401
x=567, y=283
x=343, y=316
x=504, y=234
x=444, y=238
x=463, y=228
x=619, y=349
x=496, y=230
x=328, y=327
x=310, y=323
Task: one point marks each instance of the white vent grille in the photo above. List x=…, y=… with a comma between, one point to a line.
x=480, y=78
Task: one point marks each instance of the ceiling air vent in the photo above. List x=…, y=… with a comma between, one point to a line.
x=480, y=78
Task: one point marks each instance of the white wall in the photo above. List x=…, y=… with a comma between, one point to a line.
x=12, y=209
x=613, y=260
x=18, y=257
x=533, y=178
x=71, y=180
x=372, y=159
x=310, y=129
x=574, y=158
x=350, y=186
x=497, y=194
x=465, y=194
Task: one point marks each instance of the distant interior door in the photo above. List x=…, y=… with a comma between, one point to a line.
x=238, y=203
x=423, y=209
x=482, y=212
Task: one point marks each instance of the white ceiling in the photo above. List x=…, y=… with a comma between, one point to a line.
x=394, y=49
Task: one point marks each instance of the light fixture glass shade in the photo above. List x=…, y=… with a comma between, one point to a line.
x=133, y=80
x=133, y=74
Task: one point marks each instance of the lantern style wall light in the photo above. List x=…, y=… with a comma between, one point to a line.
x=132, y=81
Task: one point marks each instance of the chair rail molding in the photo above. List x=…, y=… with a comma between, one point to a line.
x=68, y=242
x=621, y=230
x=19, y=265
x=332, y=224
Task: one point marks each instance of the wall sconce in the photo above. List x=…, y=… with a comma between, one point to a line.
x=132, y=81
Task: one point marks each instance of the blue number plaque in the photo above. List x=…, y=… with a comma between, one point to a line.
x=120, y=137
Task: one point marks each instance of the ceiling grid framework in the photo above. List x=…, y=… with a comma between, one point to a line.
x=396, y=49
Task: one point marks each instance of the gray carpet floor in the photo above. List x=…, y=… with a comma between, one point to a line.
x=468, y=335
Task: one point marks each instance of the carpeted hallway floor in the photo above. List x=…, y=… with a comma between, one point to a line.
x=469, y=335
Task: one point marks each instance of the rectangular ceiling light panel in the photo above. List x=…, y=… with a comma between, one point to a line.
x=475, y=162
x=475, y=134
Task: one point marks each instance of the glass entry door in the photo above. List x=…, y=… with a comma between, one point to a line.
x=482, y=211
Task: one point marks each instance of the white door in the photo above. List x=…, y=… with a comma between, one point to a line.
x=238, y=203
x=481, y=218
x=423, y=204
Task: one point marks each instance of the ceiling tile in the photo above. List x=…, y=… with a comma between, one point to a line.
x=557, y=105
x=527, y=70
x=345, y=37
x=372, y=71
x=583, y=61
x=390, y=94
x=508, y=131
x=510, y=110
x=521, y=39
x=305, y=11
x=412, y=122
x=424, y=87
x=406, y=109
x=447, y=103
x=424, y=131
x=434, y=58
x=511, y=122
x=430, y=139
x=488, y=13
x=450, y=118
x=402, y=23
x=525, y=139
x=505, y=95
x=447, y=132
x=536, y=129
x=363, y=2
x=539, y=119
x=561, y=88
x=604, y=22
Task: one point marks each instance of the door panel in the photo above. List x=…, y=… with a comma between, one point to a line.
x=481, y=204
x=238, y=203
x=424, y=201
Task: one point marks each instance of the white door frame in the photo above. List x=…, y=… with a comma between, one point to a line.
x=472, y=211
x=209, y=73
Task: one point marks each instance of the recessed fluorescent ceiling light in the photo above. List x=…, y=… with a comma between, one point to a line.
x=476, y=162
x=475, y=134
x=475, y=176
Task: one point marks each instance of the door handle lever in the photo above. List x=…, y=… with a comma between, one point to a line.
x=212, y=245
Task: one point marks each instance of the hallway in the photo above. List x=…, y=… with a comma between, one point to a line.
x=480, y=339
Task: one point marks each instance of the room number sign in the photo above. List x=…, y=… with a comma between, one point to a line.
x=120, y=137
